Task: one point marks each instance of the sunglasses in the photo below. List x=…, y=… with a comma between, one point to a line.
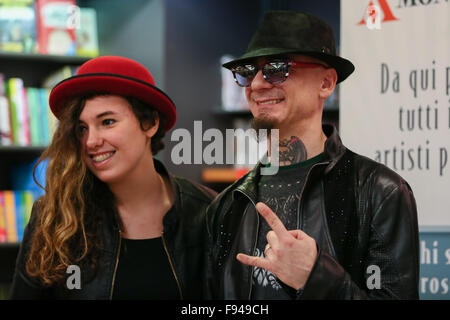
x=274, y=72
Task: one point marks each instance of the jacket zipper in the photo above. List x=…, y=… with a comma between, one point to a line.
x=117, y=263
x=115, y=267
x=254, y=246
x=171, y=266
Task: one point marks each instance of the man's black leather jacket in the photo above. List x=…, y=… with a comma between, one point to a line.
x=362, y=215
x=183, y=238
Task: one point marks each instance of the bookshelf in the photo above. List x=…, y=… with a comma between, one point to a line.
x=32, y=68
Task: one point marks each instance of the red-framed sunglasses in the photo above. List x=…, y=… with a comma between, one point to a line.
x=274, y=72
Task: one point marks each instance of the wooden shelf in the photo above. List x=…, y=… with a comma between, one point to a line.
x=222, y=175
x=14, y=149
x=37, y=57
x=13, y=245
x=33, y=68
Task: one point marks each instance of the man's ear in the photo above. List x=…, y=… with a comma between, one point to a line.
x=328, y=84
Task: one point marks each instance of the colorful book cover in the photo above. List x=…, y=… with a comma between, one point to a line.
x=19, y=214
x=2, y=85
x=34, y=119
x=18, y=26
x=57, y=21
x=28, y=205
x=25, y=124
x=5, y=119
x=11, y=94
x=52, y=120
x=58, y=75
x=6, y=138
x=24, y=203
x=45, y=129
x=11, y=224
x=2, y=218
x=19, y=114
x=87, y=37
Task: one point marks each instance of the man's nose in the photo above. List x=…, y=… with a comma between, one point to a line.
x=259, y=82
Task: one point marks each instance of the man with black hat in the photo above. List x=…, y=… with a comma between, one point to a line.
x=331, y=224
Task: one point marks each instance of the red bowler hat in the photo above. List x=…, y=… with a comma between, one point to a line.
x=116, y=75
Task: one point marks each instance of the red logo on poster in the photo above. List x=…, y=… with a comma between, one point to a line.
x=372, y=12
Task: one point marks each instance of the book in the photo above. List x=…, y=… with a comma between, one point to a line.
x=10, y=213
x=58, y=75
x=24, y=205
x=233, y=96
x=11, y=93
x=52, y=120
x=34, y=116
x=28, y=206
x=16, y=206
x=2, y=85
x=18, y=112
x=5, y=122
x=57, y=21
x=44, y=118
x=87, y=37
x=18, y=26
x=18, y=210
x=25, y=118
x=2, y=219
x=5, y=119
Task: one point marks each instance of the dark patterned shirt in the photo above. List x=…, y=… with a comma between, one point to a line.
x=281, y=192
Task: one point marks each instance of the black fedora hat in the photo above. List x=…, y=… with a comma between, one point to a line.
x=290, y=32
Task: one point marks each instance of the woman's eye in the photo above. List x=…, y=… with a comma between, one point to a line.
x=108, y=122
x=82, y=129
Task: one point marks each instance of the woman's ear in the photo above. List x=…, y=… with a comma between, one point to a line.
x=152, y=128
x=328, y=84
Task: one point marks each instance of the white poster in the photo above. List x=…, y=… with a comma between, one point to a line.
x=395, y=108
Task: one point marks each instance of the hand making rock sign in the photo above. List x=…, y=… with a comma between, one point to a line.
x=289, y=255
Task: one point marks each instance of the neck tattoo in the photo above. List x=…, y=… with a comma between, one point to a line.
x=292, y=150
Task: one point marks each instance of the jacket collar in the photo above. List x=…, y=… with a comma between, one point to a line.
x=333, y=149
x=171, y=217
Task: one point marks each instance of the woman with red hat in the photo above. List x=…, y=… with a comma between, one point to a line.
x=113, y=223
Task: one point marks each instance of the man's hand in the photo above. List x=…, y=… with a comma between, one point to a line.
x=290, y=255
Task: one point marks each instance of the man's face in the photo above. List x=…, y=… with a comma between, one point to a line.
x=288, y=104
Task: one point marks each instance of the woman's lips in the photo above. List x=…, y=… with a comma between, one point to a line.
x=101, y=158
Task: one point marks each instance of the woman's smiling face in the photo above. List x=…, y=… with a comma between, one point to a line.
x=113, y=143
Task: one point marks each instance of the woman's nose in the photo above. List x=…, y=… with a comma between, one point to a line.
x=93, y=139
